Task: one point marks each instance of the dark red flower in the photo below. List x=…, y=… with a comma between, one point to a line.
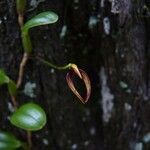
x=84, y=77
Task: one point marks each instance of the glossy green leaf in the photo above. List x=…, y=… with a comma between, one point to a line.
x=43, y=18
x=30, y=117
x=3, y=77
x=12, y=88
x=8, y=141
x=20, y=5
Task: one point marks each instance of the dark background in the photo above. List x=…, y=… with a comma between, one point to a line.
x=116, y=59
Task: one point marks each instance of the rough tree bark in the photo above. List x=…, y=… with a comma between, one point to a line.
x=108, y=39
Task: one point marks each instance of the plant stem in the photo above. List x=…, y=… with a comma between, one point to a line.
x=25, y=146
x=54, y=66
x=20, y=19
x=29, y=138
x=13, y=99
x=21, y=69
x=19, y=82
x=21, y=73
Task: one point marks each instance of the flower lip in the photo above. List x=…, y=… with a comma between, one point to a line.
x=86, y=81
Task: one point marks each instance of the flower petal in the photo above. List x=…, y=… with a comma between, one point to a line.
x=86, y=81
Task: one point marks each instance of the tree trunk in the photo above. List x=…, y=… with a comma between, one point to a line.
x=110, y=41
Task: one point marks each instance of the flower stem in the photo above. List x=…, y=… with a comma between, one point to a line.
x=54, y=66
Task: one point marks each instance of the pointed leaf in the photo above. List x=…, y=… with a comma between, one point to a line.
x=8, y=141
x=30, y=117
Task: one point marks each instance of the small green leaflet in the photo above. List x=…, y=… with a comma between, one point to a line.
x=29, y=117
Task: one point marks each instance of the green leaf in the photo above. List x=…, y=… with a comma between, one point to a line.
x=8, y=141
x=43, y=18
x=12, y=88
x=3, y=77
x=29, y=117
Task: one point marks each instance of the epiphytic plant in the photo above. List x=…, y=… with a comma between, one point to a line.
x=40, y=19
x=30, y=116
x=45, y=18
